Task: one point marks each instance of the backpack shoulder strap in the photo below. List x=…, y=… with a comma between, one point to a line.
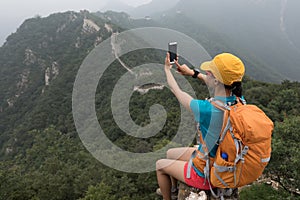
x=226, y=118
x=219, y=104
x=241, y=100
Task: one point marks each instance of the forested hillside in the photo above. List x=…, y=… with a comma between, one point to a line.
x=42, y=156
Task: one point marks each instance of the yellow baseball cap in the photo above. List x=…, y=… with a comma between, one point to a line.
x=227, y=68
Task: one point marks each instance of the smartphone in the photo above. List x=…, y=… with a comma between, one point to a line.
x=173, y=51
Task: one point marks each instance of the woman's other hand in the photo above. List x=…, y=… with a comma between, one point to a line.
x=184, y=69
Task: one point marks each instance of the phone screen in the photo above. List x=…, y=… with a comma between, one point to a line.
x=173, y=51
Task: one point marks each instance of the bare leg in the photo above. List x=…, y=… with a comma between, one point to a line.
x=174, y=184
x=166, y=168
x=184, y=154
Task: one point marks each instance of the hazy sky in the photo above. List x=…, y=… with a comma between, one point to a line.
x=14, y=12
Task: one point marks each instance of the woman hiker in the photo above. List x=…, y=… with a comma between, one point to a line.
x=223, y=76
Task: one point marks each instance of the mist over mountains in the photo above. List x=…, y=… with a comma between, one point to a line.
x=117, y=5
x=147, y=9
x=152, y=8
x=264, y=30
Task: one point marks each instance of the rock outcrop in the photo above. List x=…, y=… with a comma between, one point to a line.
x=190, y=193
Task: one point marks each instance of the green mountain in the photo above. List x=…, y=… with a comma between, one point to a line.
x=42, y=156
x=44, y=52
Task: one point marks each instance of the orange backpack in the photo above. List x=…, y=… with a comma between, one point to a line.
x=244, y=146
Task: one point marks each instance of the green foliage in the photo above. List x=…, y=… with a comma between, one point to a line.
x=55, y=164
x=285, y=161
x=286, y=106
x=100, y=191
x=263, y=192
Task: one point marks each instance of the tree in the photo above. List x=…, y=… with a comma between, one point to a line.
x=285, y=160
x=100, y=191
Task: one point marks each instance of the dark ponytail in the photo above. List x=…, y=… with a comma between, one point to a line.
x=236, y=88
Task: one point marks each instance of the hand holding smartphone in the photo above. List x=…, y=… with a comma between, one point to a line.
x=173, y=52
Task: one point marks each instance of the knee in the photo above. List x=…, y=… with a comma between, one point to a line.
x=170, y=153
x=165, y=164
x=159, y=164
